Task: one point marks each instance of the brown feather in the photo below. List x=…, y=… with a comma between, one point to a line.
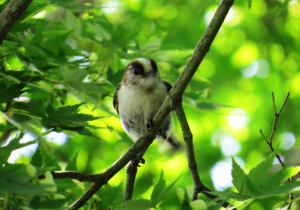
x=168, y=85
x=116, y=99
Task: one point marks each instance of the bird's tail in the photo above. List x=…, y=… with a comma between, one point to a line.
x=173, y=141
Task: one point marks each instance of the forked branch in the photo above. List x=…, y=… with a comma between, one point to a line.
x=270, y=141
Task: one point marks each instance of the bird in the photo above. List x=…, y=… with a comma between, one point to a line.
x=138, y=98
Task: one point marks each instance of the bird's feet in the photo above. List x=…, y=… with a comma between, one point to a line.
x=150, y=124
x=135, y=163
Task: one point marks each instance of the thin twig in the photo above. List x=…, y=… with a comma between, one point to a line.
x=286, y=98
x=270, y=142
x=274, y=106
x=74, y=175
x=277, y=115
x=271, y=147
x=199, y=187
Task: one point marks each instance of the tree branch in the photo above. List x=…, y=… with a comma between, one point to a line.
x=74, y=175
x=270, y=142
x=10, y=15
x=131, y=174
x=199, y=187
x=173, y=99
x=276, y=115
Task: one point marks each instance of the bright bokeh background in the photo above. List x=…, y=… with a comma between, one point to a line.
x=229, y=100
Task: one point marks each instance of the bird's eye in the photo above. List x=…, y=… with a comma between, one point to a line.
x=136, y=71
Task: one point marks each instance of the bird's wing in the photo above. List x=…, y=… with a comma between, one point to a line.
x=116, y=99
x=168, y=86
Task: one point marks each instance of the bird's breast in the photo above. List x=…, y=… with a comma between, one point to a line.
x=134, y=101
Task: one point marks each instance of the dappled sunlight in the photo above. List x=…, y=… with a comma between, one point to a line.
x=238, y=118
x=287, y=140
x=229, y=145
x=221, y=173
x=27, y=151
x=259, y=68
x=245, y=54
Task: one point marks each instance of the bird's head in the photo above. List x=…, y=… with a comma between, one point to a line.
x=142, y=73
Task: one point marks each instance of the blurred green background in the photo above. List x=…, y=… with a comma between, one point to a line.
x=68, y=52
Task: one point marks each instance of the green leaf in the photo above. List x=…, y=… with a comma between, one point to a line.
x=14, y=179
x=55, y=42
x=100, y=32
x=110, y=194
x=76, y=7
x=278, y=177
x=50, y=162
x=11, y=92
x=34, y=8
x=37, y=158
x=24, y=75
x=13, y=145
x=158, y=190
x=65, y=117
x=72, y=165
x=138, y=204
x=198, y=205
x=283, y=189
x=70, y=21
x=45, y=203
x=114, y=78
x=257, y=173
x=216, y=206
x=253, y=188
x=230, y=195
x=7, y=127
x=238, y=176
x=38, y=36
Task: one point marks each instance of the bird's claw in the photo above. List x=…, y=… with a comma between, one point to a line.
x=150, y=124
x=135, y=163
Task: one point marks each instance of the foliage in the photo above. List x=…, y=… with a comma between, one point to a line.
x=256, y=185
x=59, y=67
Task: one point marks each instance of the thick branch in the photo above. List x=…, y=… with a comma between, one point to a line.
x=131, y=171
x=131, y=174
x=171, y=100
x=9, y=16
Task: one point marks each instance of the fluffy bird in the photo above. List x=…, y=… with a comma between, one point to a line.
x=138, y=98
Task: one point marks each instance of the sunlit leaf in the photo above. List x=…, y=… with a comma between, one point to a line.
x=238, y=176
x=261, y=170
x=274, y=179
